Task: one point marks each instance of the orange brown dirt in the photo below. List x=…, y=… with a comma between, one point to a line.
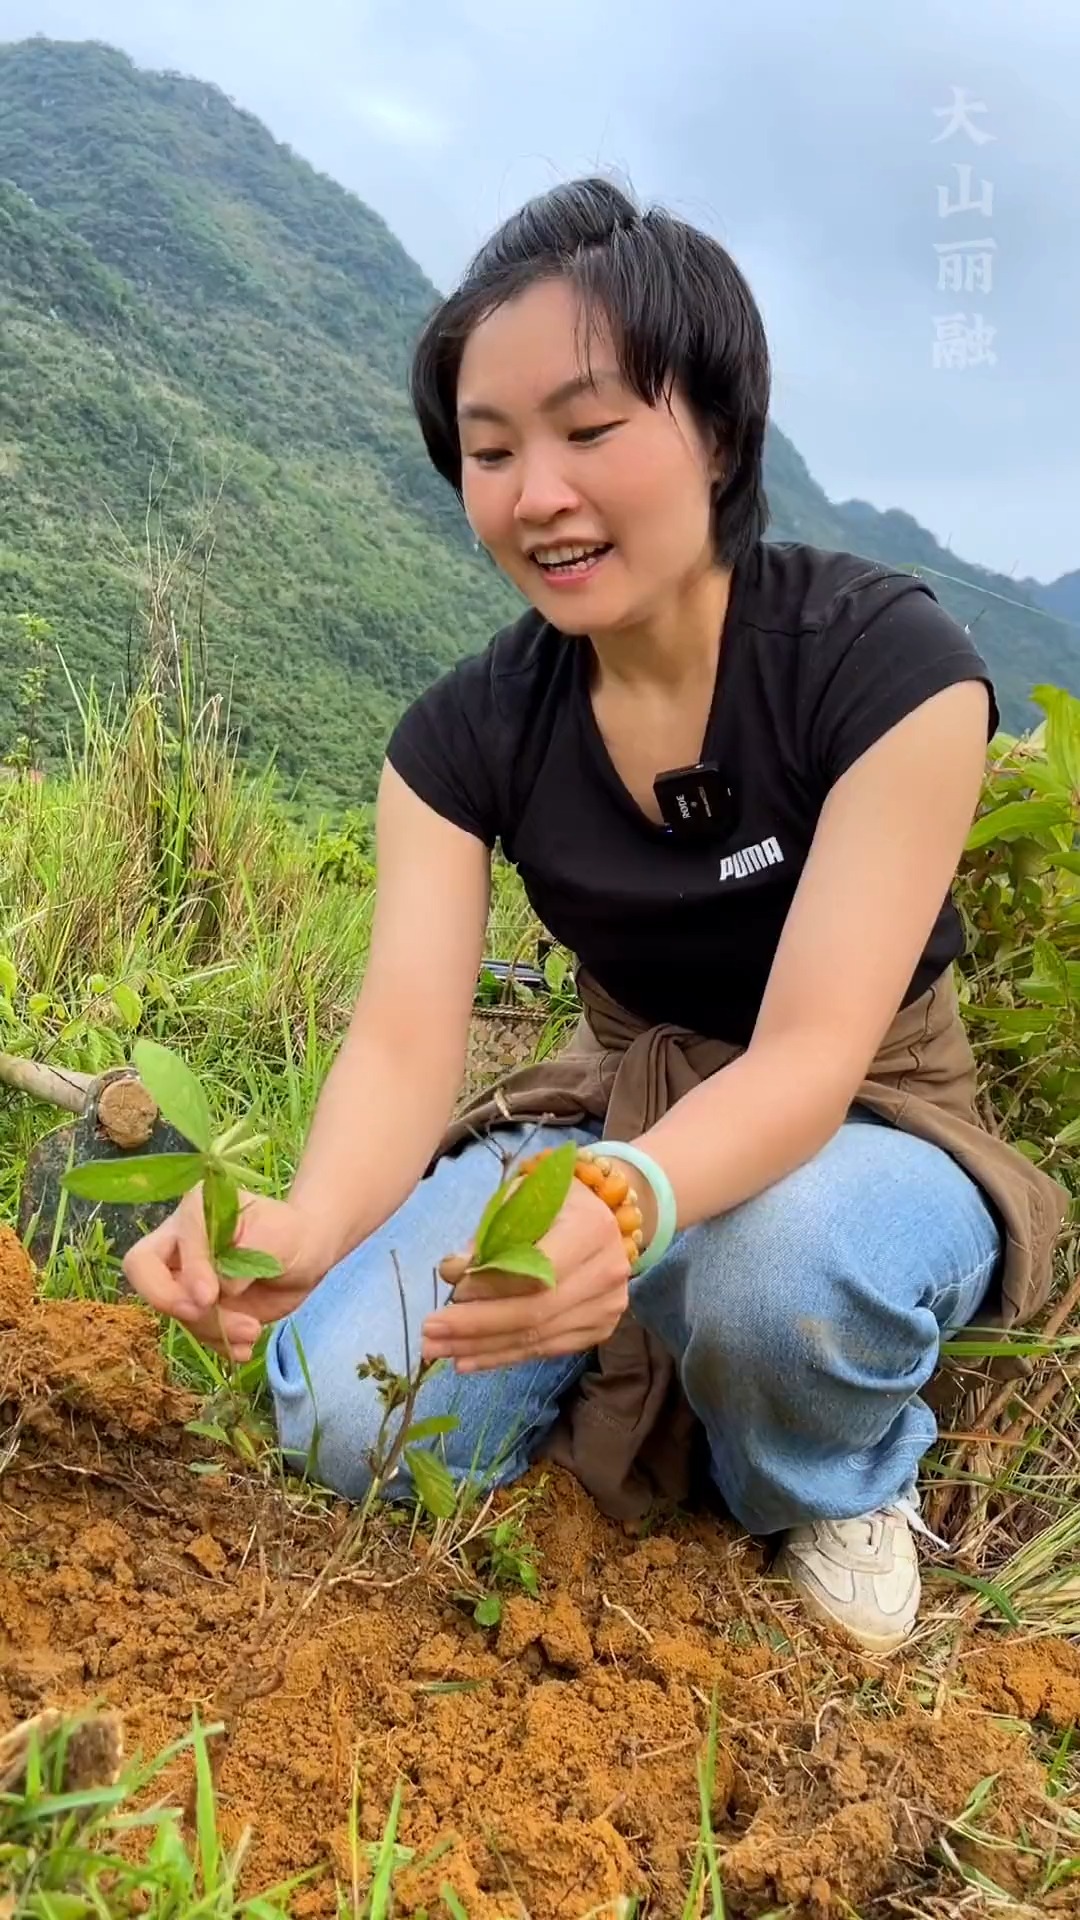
x=554, y=1757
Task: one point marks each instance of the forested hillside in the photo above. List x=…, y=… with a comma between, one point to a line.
x=203, y=339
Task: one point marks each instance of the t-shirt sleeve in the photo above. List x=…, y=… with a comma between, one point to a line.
x=874, y=664
x=445, y=745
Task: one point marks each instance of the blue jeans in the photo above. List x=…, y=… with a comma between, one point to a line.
x=804, y=1324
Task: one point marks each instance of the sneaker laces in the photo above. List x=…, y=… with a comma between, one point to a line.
x=907, y=1507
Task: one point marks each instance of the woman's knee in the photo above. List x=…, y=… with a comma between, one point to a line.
x=873, y=1245
x=327, y=1415
x=332, y=1423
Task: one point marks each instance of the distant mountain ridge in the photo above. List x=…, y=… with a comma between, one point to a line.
x=187, y=308
x=1061, y=596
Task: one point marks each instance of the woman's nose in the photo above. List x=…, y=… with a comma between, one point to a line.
x=543, y=491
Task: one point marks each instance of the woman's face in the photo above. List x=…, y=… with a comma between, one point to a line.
x=595, y=504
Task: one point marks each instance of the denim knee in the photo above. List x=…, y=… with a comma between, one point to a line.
x=328, y=1418
x=850, y=1268
x=754, y=1284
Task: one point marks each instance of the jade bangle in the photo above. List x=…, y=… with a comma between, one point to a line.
x=663, y=1193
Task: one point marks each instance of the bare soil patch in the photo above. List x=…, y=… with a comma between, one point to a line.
x=556, y=1754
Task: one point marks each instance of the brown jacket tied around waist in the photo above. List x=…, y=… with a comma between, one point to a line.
x=626, y=1432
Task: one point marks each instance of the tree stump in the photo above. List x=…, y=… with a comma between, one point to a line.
x=119, y=1120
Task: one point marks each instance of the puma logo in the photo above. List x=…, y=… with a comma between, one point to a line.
x=765, y=853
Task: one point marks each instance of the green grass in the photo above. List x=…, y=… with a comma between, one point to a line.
x=72, y=1851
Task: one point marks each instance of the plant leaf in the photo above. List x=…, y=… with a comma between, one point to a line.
x=9, y=978
x=129, y=1006
x=987, y=1588
x=1031, y=1150
x=1050, y=965
x=142, y=1177
x=531, y=1208
x=529, y=1261
x=497, y=1200
x=1062, y=712
x=556, y=968
x=488, y=1611
x=247, y=1263
x=451, y=1902
x=55, y=1905
x=221, y=1210
x=170, y=1082
x=1015, y=1022
x=1016, y=820
x=431, y=1477
x=430, y=1428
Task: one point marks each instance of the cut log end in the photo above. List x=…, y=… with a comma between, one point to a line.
x=125, y=1112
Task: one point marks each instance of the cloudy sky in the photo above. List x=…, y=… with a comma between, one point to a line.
x=809, y=141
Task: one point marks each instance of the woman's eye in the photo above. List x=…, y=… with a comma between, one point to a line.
x=489, y=456
x=583, y=436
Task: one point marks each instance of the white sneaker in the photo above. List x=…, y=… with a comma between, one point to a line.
x=861, y=1575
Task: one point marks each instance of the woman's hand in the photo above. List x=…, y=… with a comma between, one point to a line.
x=172, y=1270
x=497, y=1320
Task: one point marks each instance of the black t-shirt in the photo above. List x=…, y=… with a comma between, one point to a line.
x=822, y=653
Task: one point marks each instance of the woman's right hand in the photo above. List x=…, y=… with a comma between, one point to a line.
x=171, y=1268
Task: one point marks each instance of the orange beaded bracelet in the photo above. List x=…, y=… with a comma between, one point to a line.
x=610, y=1184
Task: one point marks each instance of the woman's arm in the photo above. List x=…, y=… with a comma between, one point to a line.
x=392, y=1088
x=883, y=859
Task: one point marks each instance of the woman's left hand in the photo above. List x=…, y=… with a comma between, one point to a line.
x=486, y=1325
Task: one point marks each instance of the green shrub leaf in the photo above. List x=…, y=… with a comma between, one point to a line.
x=1062, y=712
x=221, y=1210
x=247, y=1263
x=529, y=1209
x=1017, y=820
x=9, y=978
x=143, y=1177
x=556, y=968
x=432, y=1427
x=434, y=1488
x=529, y=1261
x=170, y=1082
x=488, y=1611
x=129, y=1006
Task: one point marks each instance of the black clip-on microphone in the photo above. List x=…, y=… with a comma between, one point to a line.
x=696, y=803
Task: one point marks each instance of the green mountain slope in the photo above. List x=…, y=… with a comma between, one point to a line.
x=1060, y=596
x=192, y=318
x=180, y=296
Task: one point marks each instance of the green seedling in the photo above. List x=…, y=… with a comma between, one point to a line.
x=221, y=1163
x=508, y=1563
x=520, y=1212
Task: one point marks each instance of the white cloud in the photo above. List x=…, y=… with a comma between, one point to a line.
x=404, y=121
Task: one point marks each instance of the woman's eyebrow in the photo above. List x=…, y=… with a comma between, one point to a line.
x=558, y=397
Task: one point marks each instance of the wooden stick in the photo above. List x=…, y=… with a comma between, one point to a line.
x=63, y=1086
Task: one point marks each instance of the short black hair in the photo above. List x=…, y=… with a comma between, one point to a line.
x=679, y=310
